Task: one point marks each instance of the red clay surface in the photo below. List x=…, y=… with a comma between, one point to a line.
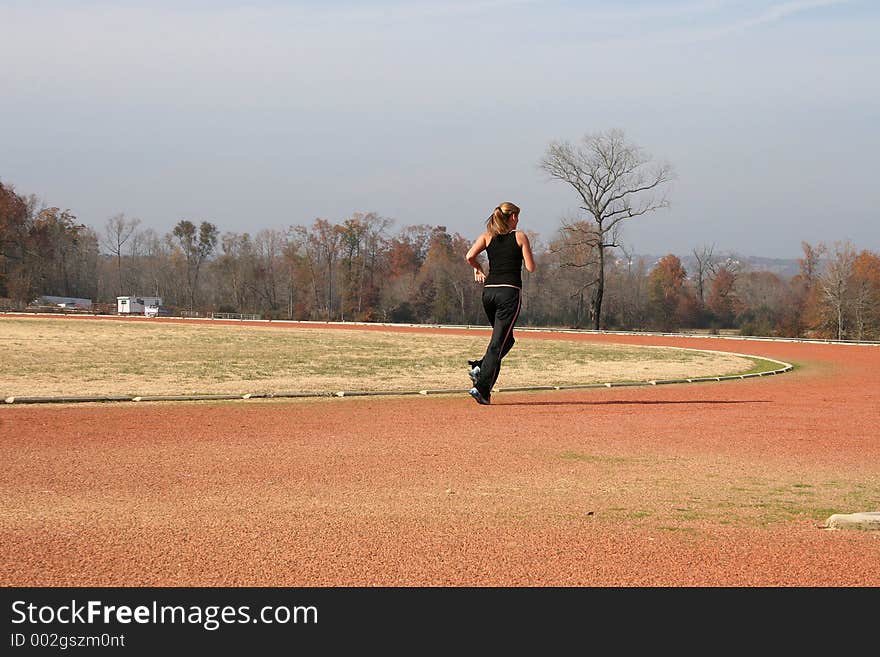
x=709, y=484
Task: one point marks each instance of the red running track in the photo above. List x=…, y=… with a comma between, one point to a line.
x=709, y=484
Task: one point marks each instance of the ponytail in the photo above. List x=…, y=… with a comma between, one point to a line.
x=498, y=222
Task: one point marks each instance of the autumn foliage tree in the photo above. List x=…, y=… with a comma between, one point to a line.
x=404, y=296
x=362, y=245
x=357, y=269
x=843, y=296
x=15, y=280
x=722, y=302
x=667, y=294
x=44, y=250
x=865, y=285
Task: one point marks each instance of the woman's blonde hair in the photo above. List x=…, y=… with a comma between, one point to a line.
x=499, y=222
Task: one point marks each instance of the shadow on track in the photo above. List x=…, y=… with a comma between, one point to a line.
x=625, y=402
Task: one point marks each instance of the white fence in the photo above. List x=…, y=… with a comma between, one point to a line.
x=240, y=316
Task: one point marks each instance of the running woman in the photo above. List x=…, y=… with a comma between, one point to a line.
x=508, y=250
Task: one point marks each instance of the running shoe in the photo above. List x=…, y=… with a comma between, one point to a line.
x=476, y=394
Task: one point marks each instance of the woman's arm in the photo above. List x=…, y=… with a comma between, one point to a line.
x=523, y=240
x=476, y=249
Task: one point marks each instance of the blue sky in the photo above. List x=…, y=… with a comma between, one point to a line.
x=265, y=114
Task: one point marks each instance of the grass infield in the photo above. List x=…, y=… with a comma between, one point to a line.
x=48, y=357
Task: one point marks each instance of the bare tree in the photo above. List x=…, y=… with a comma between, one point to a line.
x=577, y=248
x=268, y=250
x=117, y=231
x=292, y=257
x=707, y=264
x=321, y=246
x=196, y=244
x=615, y=180
x=157, y=276
x=835, y=285
x=362, y=241
x=810, y=263
x=235, y=266
x=628, y=291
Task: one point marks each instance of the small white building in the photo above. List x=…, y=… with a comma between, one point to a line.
x=138, y=305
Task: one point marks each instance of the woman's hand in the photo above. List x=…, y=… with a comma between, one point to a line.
x=478, y=247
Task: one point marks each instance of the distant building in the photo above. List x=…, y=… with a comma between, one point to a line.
x=63, y=302
x=148, y=306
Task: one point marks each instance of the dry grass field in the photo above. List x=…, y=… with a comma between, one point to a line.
x=44, y=357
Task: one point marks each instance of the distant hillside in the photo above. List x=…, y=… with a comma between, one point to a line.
x=783, y=267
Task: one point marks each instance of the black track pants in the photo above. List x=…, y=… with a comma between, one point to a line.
x=502, y=305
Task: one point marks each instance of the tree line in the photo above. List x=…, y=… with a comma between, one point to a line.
x=360, y=269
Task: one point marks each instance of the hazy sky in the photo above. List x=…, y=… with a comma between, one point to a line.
x=264, y=114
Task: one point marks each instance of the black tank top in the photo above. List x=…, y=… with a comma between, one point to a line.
x=505, y=260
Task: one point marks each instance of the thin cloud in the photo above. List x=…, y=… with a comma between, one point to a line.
x=420, y=11
x=656, y=11
x=770, y=15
